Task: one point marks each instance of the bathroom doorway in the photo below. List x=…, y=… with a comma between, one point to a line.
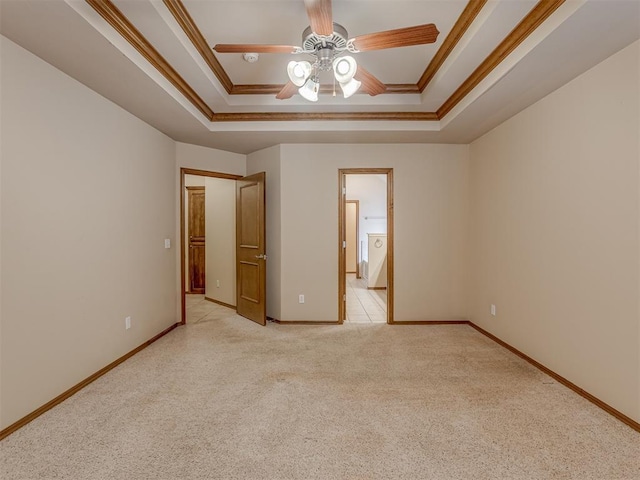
x=365, y=245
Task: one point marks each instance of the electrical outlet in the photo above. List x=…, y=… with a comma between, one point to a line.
x=217, y=283
x=300, y=298
x=127, y=323
x=493, y=310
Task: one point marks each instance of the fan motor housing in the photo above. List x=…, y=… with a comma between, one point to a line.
x=336, y=41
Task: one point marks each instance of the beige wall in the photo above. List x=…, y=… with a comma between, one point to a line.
x=431, y=219
x=268, y=161
x=352, y=248
x=555, y=218
x=193, y=181
x=371, y=193
x=87, y=200
x=209, y=159
x=220, y=211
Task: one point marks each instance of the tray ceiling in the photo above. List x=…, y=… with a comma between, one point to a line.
x=154, y=58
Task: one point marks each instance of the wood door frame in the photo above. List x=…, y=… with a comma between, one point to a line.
x=342, y=287
x=357, y=203
x=183, y=283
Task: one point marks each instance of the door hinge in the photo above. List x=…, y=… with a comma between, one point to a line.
x=344, y=190
x=344, y=298
x=344, y=244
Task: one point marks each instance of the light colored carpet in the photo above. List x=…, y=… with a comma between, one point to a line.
x=227, y=399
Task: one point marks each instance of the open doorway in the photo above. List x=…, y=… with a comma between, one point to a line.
x=222, y=246
x=365, y=245
x=207, y=234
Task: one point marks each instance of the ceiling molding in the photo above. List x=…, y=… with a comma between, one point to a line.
x=256, y=89
x=402, y=88
x=272, y=89
x=461, y=26
x=107, y=10
x=345, y=116
x=539, y=13
x=121, y=24
x=191, y=30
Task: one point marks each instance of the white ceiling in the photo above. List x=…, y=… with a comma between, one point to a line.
x=70, y=35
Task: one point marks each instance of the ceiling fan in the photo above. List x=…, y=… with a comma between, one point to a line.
x=328, y=42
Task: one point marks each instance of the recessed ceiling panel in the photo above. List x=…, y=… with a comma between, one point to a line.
x=263, y=22
x=93, y=47
x=145, y=17
x=492, y=30
x=282, y=22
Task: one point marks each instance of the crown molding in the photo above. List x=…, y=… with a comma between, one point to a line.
x=539, y=13
x=107, y=10
x=184, y=19
x=461, y=26
x=348, y=116
x=542, y=10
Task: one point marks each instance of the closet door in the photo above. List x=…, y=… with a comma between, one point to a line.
x=196, y=236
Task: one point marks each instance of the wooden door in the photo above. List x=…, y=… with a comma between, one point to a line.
x=196, y=237
x=250, y=248
x=351, y=236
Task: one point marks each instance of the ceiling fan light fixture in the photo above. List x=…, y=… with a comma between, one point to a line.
x=299, y=72
x=344, y=68
x=309, y=90
x=350, y=87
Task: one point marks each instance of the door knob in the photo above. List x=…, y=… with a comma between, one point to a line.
x=261, y=256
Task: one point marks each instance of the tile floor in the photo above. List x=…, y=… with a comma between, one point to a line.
x=201, y=310
x=363, y=305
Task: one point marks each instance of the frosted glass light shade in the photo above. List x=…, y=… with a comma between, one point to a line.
x=310, y=89
x=350, y=87
x=344, y=68
x=298, y=72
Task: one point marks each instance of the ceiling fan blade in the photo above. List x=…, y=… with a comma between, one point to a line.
x=288, y=91
x=401, y=37
x=253, y=48
x=370, y=84
x=320, y=16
